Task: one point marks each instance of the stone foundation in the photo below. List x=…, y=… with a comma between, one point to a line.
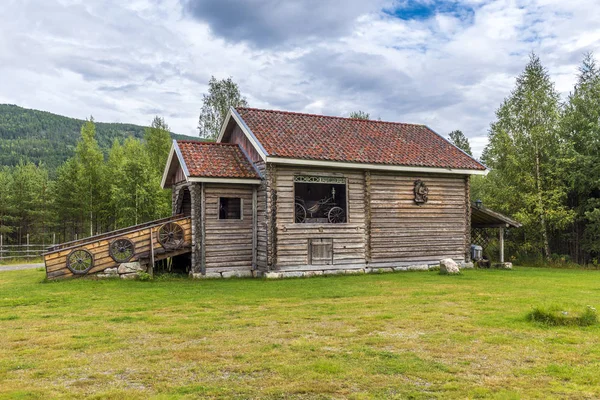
x=321, y=272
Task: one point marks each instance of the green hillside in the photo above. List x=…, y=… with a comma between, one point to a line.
x=40, y=136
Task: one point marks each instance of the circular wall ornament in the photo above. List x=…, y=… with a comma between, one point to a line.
x=80, y=261
x=121, y=250
x=170, y=236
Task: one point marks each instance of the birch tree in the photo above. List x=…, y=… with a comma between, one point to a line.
x=222, y=94
x=523, y=150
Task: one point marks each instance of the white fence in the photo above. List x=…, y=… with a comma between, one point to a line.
x=21, y=251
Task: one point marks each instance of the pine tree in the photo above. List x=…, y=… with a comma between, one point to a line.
x=459, y=139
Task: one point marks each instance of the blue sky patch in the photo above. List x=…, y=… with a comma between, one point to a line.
x=424, y=9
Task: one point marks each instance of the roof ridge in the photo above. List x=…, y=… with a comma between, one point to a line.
x=330, y=116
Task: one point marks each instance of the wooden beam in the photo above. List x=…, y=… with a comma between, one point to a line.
x=202, y=229
x=501, y=237
x=254, y=225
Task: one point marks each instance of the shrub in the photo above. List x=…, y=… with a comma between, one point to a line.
x=143, y=276
x=557, y=316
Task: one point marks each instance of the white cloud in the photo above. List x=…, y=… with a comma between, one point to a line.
x=127, y=61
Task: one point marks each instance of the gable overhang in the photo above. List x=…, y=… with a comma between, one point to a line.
x=232, y=114
x=209, y=179
x=174, y=155
x=374, y=167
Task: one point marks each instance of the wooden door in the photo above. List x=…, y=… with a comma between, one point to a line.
x=320, y=251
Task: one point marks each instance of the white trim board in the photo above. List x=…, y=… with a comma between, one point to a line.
x=174, y=150
x=225, y=180
x=376, y=167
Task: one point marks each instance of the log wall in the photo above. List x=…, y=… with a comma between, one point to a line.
x=384, y=223
x=292, y=240
x=404, y=231
x=228, y=242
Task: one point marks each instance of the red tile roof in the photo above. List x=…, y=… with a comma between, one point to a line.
x=317, y=137
x=216, y=160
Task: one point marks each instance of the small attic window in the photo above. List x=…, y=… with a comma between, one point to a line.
x=230, y=208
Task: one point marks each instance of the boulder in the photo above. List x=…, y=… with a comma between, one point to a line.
x=354, y=271
x=132, y=267
x=449, y=267
x=110, y=271
x=400, y=269
x=504, y=265
x=293, y=274
x=467, y=265
x=133, y=275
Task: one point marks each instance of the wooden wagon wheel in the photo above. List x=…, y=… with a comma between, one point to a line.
x=170, y=236
x=121, y=250
x=299, y=213
x=80, y=261
x=336, y=215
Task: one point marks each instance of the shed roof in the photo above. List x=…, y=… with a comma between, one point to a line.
x=293, y=135
x=482, y=217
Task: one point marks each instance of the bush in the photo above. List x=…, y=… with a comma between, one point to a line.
x=143, y=276
x=557, y=316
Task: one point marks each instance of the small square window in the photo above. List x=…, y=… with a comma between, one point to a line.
x=230, y=208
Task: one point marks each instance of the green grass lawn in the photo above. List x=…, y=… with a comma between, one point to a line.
x=403, y=335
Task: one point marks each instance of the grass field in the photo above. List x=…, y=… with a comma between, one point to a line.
x=403, y=335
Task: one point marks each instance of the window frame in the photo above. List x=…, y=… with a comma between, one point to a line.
x=241, y=218
x=327, y=179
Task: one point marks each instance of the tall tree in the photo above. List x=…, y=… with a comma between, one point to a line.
x=7, y=212
x=158, y=143
x=90, y=165
x=360, y=115
x=461, y=141
x=522, y=152
x=222, y=94
x=580, y=131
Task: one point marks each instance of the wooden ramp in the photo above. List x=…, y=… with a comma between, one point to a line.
x=167, y=237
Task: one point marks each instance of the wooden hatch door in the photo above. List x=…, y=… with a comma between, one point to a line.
x=320, y=251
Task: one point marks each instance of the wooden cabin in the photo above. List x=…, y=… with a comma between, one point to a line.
x=284, y=193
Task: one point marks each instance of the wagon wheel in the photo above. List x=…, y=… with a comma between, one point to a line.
x=170, y=235
x=336, y=215
x=121, y=250
x=300, y=213
x=80, y=261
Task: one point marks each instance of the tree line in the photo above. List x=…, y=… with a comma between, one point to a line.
x=92, y=192
x=544, y=161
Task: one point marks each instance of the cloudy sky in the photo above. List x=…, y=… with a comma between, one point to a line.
x=446, y=64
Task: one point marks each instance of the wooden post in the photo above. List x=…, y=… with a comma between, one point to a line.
x=53, y=239
x=501, y=237
x=151, y=268
x=27, y=248
x=367, y=216
x=254, y=225
x=1, y=238
x=202, y=229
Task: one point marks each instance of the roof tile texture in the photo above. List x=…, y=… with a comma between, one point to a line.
x=216, y=160
x=317, y=137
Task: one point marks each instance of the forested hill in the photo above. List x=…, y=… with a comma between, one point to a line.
x=40, y=136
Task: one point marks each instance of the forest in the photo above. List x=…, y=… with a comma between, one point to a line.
x=91, y=193
x=43, y=137
x=543, y=156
